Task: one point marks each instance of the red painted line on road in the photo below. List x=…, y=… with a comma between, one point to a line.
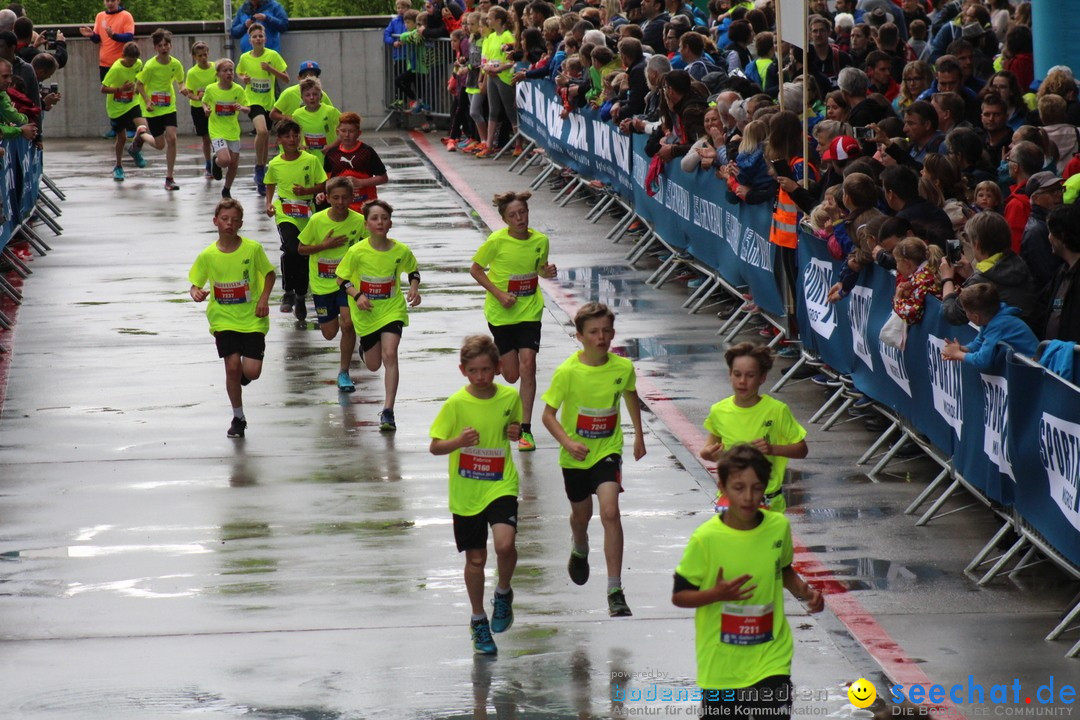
x=10, y=309
x=898, y=666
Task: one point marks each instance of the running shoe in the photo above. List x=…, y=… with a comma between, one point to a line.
x=616, y=604
x=578, y=568
x=236, y=429
x=300, y=307
x=788, y=352
x=486, y=152
x=345, y=383
x=482, y=642
x=287, y=301
x=526, y=443
x=387, y=424
x=118, y=174
x=502, y=616
x=209, y=172
x=518, y=151
x=215, y=170
x=226, y=192
x=109, y=134
x=140, y=161
x=823, y=380
x=170, y=184
x=475, y=148
x=451, y=146
x=863, y=407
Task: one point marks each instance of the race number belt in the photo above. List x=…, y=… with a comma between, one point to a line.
x=225, y=109
x=482, y=463
x=746, y=624
x=295, y=209
x=594, y=423
x=161, y=99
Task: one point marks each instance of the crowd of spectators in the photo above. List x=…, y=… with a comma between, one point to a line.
x=927, y=119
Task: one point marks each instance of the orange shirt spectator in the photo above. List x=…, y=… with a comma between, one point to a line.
x=113, y=27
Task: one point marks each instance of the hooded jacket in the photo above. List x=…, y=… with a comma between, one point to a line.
x=276, y=22
x=1005, y=328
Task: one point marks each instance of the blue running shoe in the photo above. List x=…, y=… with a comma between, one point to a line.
x=482, y=642
x=345, y=383
x=503, y=615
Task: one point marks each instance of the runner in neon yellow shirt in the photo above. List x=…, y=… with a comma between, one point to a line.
x=475, y=428
x=289, y=99
x=370, y=274
x=295, y=177
x=124, y=112
x=156, y=84
x=760, y=420
x=259, y=69
x=587, y=389
x=318, y=122
x=240, y=278
x=201, y=75
x=325, y=239
x=509, y=265
x=222, y=102
x=734, y=571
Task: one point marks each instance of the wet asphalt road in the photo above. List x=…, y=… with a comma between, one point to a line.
x=150, y=567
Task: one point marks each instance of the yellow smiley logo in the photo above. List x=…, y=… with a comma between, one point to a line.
x=862, y=693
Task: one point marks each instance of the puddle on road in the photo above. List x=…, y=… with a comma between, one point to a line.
x=867, y=574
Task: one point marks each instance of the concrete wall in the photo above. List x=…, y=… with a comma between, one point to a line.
x=352, y=62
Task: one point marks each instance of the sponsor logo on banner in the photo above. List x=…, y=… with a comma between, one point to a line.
x=579, y=133
x=945, y=383
x=611, y=145
x=1059, y=449
x=755, y=250
x=893, y=360
x=996, y=422
x=709, y=216
x=733, y=230
x=523, y=96
x=859, y=315
x=817, y=279
x=676, y=198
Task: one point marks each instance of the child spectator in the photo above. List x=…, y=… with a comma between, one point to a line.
x=747, y=416
x=478, y=30
x=824, y=217
x=125, y=114
x=240, y=278
x=734, y=572
x=988, y=196
x=917, y=38
x=916, y=279
x=572, y=76
x=892, y=231
x=475, y=427
x=459, y=103
x=998, y=324
x=201, y=75
x=500, y=74
x=415, y=59
x=750, y=168
x=395, y=28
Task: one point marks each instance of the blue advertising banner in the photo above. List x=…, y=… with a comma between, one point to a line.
x=823, y=327
x=581, y=141
x=982, y=457
x=1044, y=440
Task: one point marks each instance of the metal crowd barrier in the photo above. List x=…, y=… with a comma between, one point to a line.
x=431, y=65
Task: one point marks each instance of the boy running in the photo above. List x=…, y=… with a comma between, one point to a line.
x=221, y=102
x=155, y=85
x=118, y=86
x=758, y=420
x=587, y=388
x=356, y=161
x=289, y=99
x=201, y=75
x=318, y=122
x=508, y=265
x=475, y=427
x=258, y=68
x=295, y=177
x=370, y=274
x=734, y=571
x=240, y=278
x=327, y=236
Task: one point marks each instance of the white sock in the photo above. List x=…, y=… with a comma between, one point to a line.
x=238, y=412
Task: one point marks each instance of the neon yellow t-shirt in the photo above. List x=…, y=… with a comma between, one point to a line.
x=513, y=266
x=588, y=399
x=199, y=79
x=236, y=283
x=492, y=50
x=736, y=645
x=378, y=275
x=289, y=100
x=160, y=81
x=770, y=419
x=119, y=103
x=485, y=472
x=317, y=129
x=261, y=86
x=306, y=171
x=322, y=266
x=223, y=123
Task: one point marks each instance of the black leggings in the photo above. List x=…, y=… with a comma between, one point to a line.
x=406, y=84
x=294, y=266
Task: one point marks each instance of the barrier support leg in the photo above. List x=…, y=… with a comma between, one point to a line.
x=848, y=402
x=642, y=246
x=53, y=207
x=525, y=155
x=927, y=492
x=942, y=499
x=1063, y=626
x=5, y=323
x=828, y=404
x=888, y=456
x=52, y=186
x=10, y=290
x=21, y=269
x=48, y=221
x=702, y=290
x=33, y=239
x=872, y=450
x=539, y=180
x=1004, y=560
x=712, y=285
x=988, y=548
x=509, y=144
x=788, y=374
x=386, y=120
x=664, y=267
x=616, y=233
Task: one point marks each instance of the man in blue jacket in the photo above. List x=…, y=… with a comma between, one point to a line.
x=269, y=13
